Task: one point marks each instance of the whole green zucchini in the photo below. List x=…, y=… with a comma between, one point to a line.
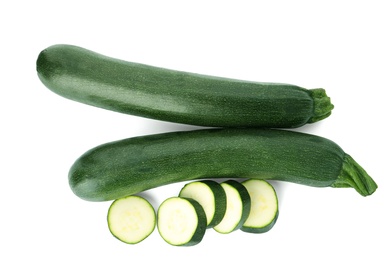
x=176, y=96
x=121, y=168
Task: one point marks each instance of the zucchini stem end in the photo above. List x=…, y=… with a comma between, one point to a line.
x=322, y=105
x=353, y=175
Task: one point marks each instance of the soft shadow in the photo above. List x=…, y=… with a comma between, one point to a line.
x=280, y=188
x=313, y=128
x=151, y=126
x=149, y=197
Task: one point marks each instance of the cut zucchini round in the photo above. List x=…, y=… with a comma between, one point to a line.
x=131, y=219
x=237, y=209
x=210, y=195
x=181, y=221
x=264, y=206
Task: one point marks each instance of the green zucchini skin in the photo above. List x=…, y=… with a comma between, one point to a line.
x=121, y=168
x=169, y=95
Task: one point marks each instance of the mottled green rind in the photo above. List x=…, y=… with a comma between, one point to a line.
x=137, y=89
x=121, y=168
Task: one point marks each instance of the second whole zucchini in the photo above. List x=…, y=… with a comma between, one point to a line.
x=163, y=94
x=125, y=167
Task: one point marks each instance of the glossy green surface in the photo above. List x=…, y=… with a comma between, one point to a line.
x=129, y=166
x=176, y=96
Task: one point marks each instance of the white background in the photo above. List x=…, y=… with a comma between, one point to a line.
x=342, y=46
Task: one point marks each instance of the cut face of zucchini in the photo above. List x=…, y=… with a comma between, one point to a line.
x=181, y=221
x=264, y=206
x=131, y=219
x=211, y=196
x=238, y=207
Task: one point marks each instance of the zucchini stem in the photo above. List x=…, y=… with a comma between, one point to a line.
x=322, y=105
x=353, y=175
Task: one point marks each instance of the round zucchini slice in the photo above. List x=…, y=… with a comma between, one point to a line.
x=238, y=207
x=210, y=195
x=264, y=206
x=181, y=221
x=131, y=219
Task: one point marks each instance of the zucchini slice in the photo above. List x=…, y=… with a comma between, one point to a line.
x=238, y=207
x=181, y=221
x=131, y=219
x=211, y=196
x=264, y=206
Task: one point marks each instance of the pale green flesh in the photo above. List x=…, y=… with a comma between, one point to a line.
x=131, y=219
x=177, y=221
x=264, y=204
x=234, y=210
x=202, y=194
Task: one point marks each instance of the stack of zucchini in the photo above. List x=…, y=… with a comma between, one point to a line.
x=243, y=142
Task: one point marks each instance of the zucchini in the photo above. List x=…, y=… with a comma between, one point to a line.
x=142, y=90
x=120, y=168
x=238, y=206
x=181, y=221
x=131, y=219
x=210, y=195
x=264, y=206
